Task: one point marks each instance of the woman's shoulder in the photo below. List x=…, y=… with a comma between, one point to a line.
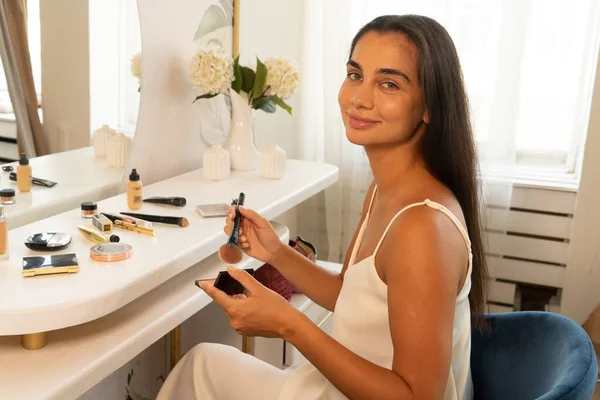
x=439, y=195
x=423, y=240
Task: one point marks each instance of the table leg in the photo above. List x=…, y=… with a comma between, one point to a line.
x=33, y=341
x=175, y=339
x=248, y=345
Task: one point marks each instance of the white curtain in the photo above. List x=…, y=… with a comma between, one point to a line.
x=526, y=65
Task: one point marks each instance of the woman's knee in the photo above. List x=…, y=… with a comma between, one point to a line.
x=204, y=352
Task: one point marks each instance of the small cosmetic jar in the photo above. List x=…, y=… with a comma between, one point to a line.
x=7, y=196
x=89, y=209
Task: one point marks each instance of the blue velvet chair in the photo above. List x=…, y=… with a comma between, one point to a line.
x=533, y=355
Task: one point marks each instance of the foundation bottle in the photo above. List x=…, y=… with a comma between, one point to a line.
x=24, y=174
x=134, y=191
x=3, y=235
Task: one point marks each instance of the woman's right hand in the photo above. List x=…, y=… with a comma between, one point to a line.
x=257, y=238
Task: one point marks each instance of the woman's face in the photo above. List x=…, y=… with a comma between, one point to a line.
x=380, y=99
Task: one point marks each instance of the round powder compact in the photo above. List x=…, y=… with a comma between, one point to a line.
x=110, y=252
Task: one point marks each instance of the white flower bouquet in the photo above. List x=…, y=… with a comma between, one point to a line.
x=266, y=87
x=136, y=67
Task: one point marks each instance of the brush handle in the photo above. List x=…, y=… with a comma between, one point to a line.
x=235, y=232
x=157, y=218
x=171, y=201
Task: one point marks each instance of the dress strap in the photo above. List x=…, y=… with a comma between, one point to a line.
x=372, y=199
x=453, y=218
x=392, y=221
x=362, y=229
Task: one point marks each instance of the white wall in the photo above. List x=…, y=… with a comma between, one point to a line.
x=65, y=73
x=581, y=294
x=271, y=28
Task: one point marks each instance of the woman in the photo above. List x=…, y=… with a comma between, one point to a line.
x=415, y=270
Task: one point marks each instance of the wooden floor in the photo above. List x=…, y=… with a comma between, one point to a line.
x=596, y=395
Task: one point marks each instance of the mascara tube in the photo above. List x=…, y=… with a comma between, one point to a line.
x=92, y=234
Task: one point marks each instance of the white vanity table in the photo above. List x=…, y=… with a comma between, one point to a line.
x=81, y=176
x=102, y=316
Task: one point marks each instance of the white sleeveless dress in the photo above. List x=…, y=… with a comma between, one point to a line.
x=360, y=323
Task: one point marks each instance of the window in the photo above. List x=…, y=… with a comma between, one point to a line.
x=529, y=69
x=33, y=32
x=114, y=39
x=130, y=45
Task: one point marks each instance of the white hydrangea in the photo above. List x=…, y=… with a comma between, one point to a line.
x=136, y=66
x=211, y=70
x=283, y=77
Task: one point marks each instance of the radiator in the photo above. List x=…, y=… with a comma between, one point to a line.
x=528, y=244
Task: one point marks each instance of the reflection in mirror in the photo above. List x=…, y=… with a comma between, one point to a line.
x=215, y=29
x=68, y=63
x=115, y=65
x=80, y=55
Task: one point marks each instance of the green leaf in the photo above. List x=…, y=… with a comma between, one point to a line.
x=248, y=76
x=205, y=96
x=266, y=104
x=260, y=79
x=237, y=73
x=281, y=103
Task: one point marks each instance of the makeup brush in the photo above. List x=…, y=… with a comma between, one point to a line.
x=127, y=218
x=161, y=219
x=230, y=252
x=170, y=201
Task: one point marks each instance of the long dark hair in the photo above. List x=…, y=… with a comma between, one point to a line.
x=447, y=146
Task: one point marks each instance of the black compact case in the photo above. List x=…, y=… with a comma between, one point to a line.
x=48, y=241
x=227, y=284
x=49, y=265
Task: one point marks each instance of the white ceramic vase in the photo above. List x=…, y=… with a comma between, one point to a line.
x=240, y=142
x=272, y=162
x=118, y=148
x=216, y=164
x=100, y=139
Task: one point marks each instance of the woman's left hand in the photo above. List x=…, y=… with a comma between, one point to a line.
x=262, y=313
